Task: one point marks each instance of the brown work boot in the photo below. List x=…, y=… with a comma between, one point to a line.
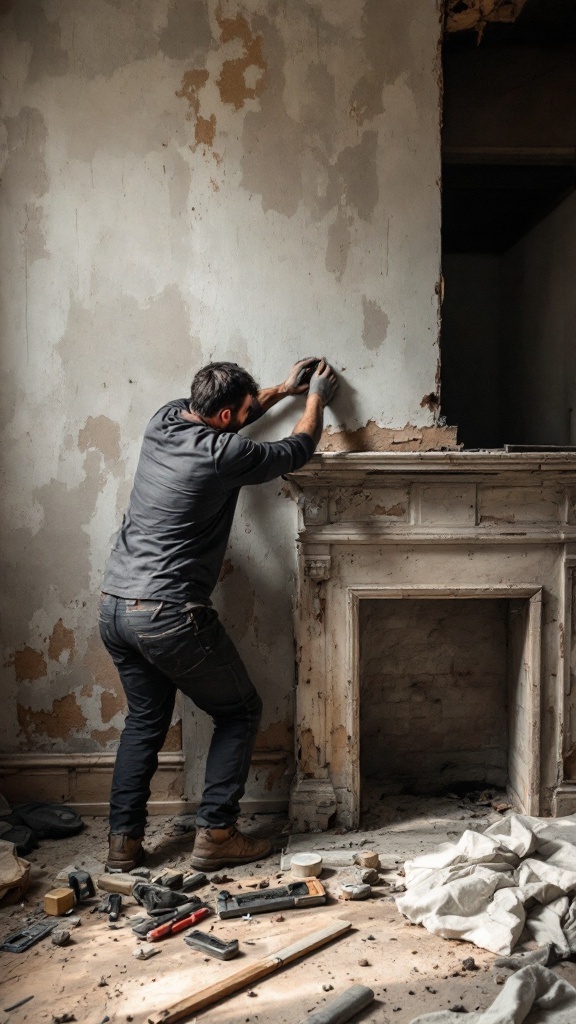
x=216, y=848
x=124, y=852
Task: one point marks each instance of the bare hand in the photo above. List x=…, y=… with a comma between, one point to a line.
x=298, y=380
x=323, y=382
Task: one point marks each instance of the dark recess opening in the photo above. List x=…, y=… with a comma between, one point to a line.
x=508, y=372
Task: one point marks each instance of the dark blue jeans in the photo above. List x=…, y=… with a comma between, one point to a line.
x=159, y=648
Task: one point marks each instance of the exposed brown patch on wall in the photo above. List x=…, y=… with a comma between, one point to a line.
x=29, y=664
x=192, y=82
x=278, y=736
x=111, y=704
x=232, y=82
x=205, y=127
x=205, y=130
x=64, y=718
x=570, y=764
x=173, y=739
x=373, y=438
x=101, y=433
x=308, y=752
x=339, y=746
x=99, y=664
x=62, y=639
x=103, y=736
x=274, y=775
x=431, y=402
x=226, y=570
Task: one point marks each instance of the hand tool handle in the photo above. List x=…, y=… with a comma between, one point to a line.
x=188, y=921
x=193, y=881
x=345, y=1006
x=171, y=926
x=248, y=975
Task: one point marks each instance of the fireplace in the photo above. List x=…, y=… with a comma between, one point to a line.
x=407, y=563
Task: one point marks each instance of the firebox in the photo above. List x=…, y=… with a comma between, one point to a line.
x=448, y=692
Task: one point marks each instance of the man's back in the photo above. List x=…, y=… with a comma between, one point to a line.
x=173, y=537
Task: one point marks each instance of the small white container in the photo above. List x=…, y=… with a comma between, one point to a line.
x=306, y=865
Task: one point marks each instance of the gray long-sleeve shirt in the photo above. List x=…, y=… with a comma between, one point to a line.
x=173, y=537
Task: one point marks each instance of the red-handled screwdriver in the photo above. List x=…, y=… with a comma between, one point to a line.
x=177, y=926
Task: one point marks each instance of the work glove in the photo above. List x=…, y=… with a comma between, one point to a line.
x=323, y=382
x=298, y=379
x=155, y=897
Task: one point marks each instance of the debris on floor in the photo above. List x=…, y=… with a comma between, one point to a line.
x=106, y=970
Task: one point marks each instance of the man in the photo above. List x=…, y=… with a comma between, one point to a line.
x=156, y=617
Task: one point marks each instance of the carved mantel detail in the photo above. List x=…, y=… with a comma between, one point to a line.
x=317, y=567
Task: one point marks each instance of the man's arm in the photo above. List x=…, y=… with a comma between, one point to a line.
x=296, y=383
x=239, y=460
x=322, y=388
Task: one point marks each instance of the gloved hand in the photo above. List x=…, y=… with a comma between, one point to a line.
x=298, y=379
x=323, y=382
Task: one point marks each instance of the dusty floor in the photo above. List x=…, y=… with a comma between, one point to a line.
x=96, y=978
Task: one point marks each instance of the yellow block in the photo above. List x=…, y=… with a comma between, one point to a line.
x=58, y=901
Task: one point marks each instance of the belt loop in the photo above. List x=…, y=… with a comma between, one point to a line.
x=157, y=611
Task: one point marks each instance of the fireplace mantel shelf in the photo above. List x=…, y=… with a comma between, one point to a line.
x=338, y=467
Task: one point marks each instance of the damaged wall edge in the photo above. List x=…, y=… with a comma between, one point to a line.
x=373, y=438
x=464, y=15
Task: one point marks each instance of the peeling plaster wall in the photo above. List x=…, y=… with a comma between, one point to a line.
x=185, y=181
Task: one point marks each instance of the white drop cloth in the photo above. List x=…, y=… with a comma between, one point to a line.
x=14, y=871
x=486, y=887
x=534, y=995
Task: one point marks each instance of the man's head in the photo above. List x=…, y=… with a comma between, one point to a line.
x=222, y=393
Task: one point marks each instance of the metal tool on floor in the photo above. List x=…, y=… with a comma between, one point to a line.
x=212, y=945
x=248, y=975
x=20, y=941
x=307, y=893
x=142, y=925
x=343, y=1007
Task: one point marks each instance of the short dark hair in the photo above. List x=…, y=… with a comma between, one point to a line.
x=220, y=385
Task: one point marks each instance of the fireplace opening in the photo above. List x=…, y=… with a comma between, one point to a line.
x=448, y=695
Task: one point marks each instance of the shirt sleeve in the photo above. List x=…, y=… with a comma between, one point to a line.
x=240, y=461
